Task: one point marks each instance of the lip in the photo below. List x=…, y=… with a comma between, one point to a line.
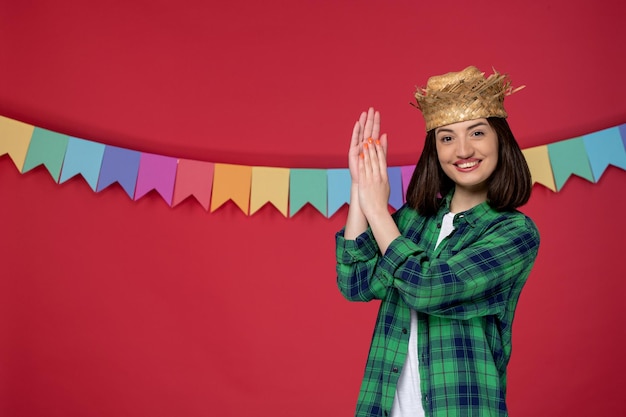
x=467, y=165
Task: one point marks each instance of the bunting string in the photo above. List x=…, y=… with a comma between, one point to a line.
x=252, y=187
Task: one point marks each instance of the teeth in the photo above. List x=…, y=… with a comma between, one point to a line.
x=468, y=164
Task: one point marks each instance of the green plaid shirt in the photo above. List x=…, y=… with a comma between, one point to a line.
x=464, y=291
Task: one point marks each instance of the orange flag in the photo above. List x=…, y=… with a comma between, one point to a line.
x=231, y=182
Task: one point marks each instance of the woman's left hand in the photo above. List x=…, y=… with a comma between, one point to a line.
x=374, y=187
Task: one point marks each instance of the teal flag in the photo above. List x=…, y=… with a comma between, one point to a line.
x=47, y=148
x=307, y=186
x=569, y=157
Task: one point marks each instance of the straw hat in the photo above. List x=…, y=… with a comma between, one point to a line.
x=464, y=95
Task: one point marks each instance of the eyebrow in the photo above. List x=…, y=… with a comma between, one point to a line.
x=443, y=129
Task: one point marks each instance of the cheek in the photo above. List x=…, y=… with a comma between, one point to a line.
x=442, y=154
x=495, y=154
x=494, y=145
x=493, y=162
x=490, y=149
x=444, y=164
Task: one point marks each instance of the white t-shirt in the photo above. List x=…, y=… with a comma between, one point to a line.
x=407, y=401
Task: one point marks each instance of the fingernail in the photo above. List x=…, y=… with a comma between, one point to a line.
x=369, y=140
x=365, y=145
x=377, y=141
x=361, y=155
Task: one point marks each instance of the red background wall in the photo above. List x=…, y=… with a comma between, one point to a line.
x=110, y=307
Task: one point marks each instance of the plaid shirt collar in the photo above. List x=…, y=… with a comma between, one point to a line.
x=479, y=213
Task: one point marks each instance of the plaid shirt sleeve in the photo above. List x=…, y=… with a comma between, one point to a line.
x=471, y=282
x=356, y=262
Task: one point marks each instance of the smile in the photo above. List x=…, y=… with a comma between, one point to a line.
x=467, y=165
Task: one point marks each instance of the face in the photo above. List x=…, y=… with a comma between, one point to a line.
x=468, y=153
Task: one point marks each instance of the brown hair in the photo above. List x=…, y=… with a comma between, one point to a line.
x=510, y=183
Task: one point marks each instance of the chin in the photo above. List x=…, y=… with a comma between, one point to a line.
x=478, y=184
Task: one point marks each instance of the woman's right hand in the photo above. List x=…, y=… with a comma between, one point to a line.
x=368, y=126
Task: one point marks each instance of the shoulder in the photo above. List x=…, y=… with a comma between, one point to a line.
x=520, y=219
x=517, y=224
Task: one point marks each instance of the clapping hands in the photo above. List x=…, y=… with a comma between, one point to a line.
x=367, y=160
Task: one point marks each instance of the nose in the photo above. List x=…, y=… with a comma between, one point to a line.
x=464, y=148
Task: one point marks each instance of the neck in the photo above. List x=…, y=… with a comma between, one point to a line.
x=464, y=199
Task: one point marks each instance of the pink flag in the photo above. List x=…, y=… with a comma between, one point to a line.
x=156, y=172
x=194, y=178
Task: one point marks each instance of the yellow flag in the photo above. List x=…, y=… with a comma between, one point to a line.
x=540, y=168
x=270, y=185
x=14, y=140
x=231, y=182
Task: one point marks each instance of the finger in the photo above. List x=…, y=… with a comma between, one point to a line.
x=379, y=163
x=356, y=133
x=383, y=144
x=372, y=156
x=382, y=159
x=362, y=120
x=367, y=159
x=369, y=123
x=361, y=167
x=376, y=125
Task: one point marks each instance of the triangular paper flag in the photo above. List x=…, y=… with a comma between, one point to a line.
x=231, y=182
x=538, y=162
x=269, y=185
x=394, y=174
x=307, y=186
x=622, y=132
x=407, y=173
x=85, y=158
x=14, y=140
x=156, y=172
x=605, y=148
x=194, y=178
x=121, y=165
x=48, y=148
x=569, y=157
x=339, y=183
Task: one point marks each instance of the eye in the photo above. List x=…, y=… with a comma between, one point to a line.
x=445, y=139
x=478, y=133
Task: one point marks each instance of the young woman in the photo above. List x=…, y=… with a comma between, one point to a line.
x=450, y=264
